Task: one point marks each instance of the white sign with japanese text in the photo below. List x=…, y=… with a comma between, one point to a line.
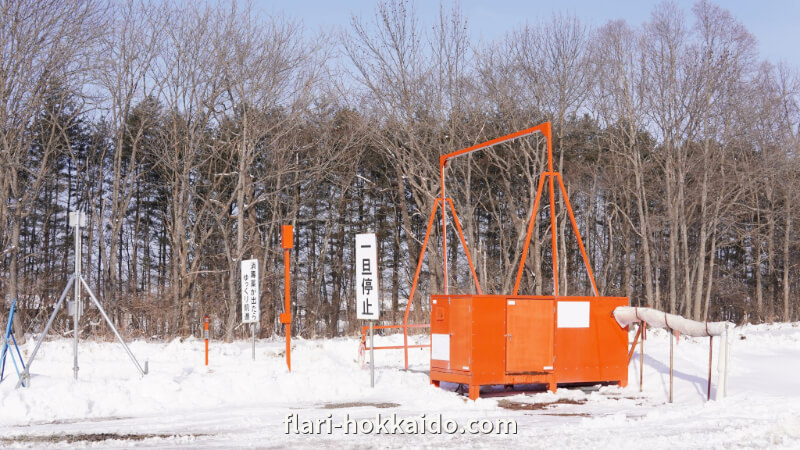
x=367, y=304
x=251, y=298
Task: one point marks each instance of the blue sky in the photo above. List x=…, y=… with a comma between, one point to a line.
x=775, y=23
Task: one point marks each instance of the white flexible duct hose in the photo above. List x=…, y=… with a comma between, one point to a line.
x=626, y=315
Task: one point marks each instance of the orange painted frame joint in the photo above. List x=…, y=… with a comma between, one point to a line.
x=287, y=243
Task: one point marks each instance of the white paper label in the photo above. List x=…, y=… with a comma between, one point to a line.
x=440, y=347
x=573, y=315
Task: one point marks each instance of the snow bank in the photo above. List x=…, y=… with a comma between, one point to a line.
x=237, y=402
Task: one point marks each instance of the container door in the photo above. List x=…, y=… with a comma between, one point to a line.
x=460, y=333
x=529, y=335
x=440, y=332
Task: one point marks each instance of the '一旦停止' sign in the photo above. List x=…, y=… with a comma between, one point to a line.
x=367, y=304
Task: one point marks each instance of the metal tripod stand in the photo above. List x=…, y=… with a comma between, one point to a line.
x=76, y=221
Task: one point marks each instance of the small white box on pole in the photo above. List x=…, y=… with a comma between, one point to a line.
x=77, y=219
x=367, y=301
x=251, y=298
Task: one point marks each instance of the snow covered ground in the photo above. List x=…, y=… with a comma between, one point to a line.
x=240, y=403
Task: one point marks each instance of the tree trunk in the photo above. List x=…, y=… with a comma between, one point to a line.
x=786, y=267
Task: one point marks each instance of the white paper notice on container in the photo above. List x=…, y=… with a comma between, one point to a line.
x=440, y=347
x=573, y=315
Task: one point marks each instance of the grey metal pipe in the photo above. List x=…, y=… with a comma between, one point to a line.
x=671, y=361
x=26, y=373
x=77, y=312
x=643, y=326
x=710, y=359
x=113, y=328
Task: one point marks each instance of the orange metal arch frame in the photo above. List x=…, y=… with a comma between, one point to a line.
x=550, y=176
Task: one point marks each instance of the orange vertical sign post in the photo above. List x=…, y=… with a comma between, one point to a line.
x=205, y=334
x=287, y=243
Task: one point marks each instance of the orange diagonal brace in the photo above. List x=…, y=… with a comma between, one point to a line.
x=464, y=243
x=577, y=234
x=543, y=128
x=416, y=275
x=635, y=340
x=530, y=231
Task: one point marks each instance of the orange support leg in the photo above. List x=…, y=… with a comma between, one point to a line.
x=474, y=391
x=529, y=233
x=466, y=249
x=552, y=383
x=416, y=277
x=578, y=235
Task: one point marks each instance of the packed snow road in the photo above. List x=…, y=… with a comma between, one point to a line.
x=326, y=402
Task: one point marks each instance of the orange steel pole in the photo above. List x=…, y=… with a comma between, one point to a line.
x=444, y=227
x=287, y=243
x=547, y=132
x=577, y=234
x=416, y=277
x=553, y=227
x=464, y=243
x=529, y=233
x=205, y=328
x=553, y=237
x=287, y=307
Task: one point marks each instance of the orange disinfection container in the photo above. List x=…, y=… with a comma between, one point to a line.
x=480, y=340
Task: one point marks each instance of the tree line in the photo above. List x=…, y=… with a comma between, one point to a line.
x=190, y=133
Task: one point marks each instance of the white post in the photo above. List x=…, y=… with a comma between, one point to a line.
x=368, y=305
x=77, y=219
x=671, y=362
x=722, y=366
x=729, y=339
x=371, y=353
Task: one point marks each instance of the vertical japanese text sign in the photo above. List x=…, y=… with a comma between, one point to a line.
x=367, y=305
x=251, y=299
